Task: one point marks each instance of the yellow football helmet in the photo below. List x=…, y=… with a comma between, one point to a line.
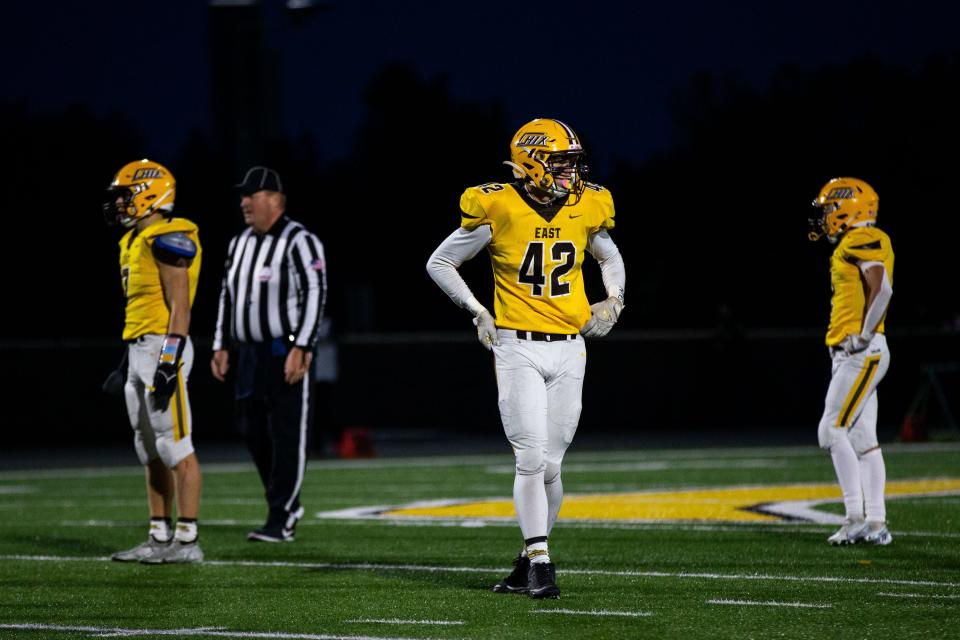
x=140, y=188
x=548, y=154
x=842, y=203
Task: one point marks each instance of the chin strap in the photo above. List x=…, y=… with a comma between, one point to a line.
x=517, y=170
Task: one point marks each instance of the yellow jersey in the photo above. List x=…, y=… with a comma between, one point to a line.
x=146, y=310
x=536, y=252
x=847, y=307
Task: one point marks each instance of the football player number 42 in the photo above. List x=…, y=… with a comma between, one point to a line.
x=531, y=267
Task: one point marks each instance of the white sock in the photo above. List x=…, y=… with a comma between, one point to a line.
x=847, y=466
x=160, y=529
x=530, y=501
x=873, y=475
x=186, y=531
x=554, y=500
x=537, y=552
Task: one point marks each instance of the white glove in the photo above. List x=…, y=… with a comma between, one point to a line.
x=486, y=330
x=854, y=344
x=605, y=315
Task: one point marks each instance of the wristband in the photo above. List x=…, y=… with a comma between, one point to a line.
x=172, y=349
x=473, y=306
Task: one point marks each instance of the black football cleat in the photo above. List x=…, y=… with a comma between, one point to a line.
x=542, y=581
x=516, y=582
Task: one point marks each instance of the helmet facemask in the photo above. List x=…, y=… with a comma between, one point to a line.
x=565, y=172
x=820, y=225
x=556, y=175
x=118, y=207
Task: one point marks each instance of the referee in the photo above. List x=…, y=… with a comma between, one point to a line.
x=271, y=304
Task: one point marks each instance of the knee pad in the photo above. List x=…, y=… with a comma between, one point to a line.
x=551, y=473
x=862, y=440
x=170, y=452
x=530, y=461
x=827, y=434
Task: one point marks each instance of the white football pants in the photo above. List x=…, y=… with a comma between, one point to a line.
x=156, y=434
x=850, y=409
x=539, y=386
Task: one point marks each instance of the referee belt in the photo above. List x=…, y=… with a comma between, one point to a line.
x=536, y=336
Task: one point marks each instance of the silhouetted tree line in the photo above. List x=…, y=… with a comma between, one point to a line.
x=713, y=231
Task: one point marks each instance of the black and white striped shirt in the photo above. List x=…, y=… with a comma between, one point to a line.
x=274, y=286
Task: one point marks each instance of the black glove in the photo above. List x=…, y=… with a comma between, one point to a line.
x=168, y=365
x=114, y=383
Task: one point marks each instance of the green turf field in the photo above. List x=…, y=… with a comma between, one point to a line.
x=353, y=573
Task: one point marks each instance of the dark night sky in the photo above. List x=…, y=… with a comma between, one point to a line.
x=609, y=70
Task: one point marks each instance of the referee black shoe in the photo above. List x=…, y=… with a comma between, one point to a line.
x=516, y=582
x=270, y=534
x=542, y=581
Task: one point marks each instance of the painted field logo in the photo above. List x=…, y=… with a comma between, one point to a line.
x=532, y=140
x=772, y=504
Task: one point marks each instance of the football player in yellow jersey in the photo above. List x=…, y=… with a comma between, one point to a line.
x=861, y=273
x=159, y=267
x=537, y=231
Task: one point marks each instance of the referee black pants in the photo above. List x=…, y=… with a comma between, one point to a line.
x=274, y=418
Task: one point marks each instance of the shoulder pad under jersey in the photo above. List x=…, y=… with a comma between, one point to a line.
x=601, y=200
x=865, y=244
x=473, y=204
x=177, y=243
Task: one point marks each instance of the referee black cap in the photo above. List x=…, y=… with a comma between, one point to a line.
x=260, y=179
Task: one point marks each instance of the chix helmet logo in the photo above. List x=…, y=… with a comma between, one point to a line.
x=840, y=193
x=146, y=174
x=532, y=140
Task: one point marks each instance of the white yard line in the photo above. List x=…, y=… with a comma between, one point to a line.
x=496, y=570
x=936, y=596
x=594, y=612
x=16, y=489
x=413, y=622
x=217, y=632
x=771, y=603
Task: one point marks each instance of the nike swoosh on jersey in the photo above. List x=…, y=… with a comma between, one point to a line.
x=575, y=216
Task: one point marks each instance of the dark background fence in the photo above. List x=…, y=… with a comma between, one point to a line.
x=642, y=387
